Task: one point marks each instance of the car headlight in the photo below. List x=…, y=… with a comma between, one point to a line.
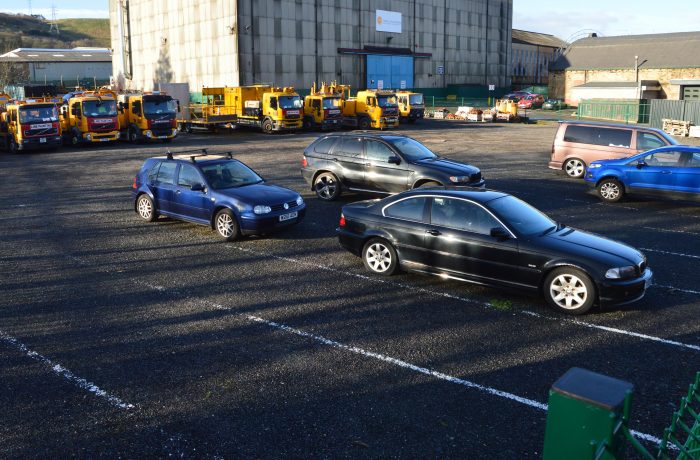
x=457, y=179
x=261, y=209
x=300, y=201
x=621, y=272
x=594, y=165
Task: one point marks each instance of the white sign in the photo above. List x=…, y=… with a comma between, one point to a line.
x=380, y=84
x=403, y=84
x=492, y=87
x=441, y=70
x=388, y=21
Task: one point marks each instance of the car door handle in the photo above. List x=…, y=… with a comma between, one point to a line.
x=177, y=192
x=433, y=232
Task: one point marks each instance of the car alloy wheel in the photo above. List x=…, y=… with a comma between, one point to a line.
x=610, y=190
x=226, y=225
x=574, y=168
x=327, y=187
x=570, y=290
x=144, y=206
x=380, y=257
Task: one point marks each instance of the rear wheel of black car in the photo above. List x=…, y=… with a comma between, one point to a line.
x=226, y=225
x=145, y=208
x=610, y=190
x=573, y=167
x=327, y=186
x=379, y=257
x=569, y=290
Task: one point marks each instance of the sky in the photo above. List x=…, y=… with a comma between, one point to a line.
x=565, y=19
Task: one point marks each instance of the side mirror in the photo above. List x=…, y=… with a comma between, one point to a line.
x=500, y=233
x=394, y=160
x=641, y=164
x=197, y=187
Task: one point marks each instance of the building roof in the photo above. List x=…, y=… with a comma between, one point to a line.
x=657, y=51
x=537, y=39
x=57, y=55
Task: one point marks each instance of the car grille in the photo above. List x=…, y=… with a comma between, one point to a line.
x=280, y=207
x=102, y=127
x=41, y=132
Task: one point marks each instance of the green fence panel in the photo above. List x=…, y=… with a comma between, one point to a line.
x=636, y=111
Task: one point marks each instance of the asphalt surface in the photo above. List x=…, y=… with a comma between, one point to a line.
x=124, y=339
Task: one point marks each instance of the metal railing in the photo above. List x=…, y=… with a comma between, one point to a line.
x=432, y=102
x=627, y=112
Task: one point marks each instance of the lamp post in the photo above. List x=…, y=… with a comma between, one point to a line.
x=636, y=76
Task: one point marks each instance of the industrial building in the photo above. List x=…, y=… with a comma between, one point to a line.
x=367, y=44
x=61, y=67
x=533, y=53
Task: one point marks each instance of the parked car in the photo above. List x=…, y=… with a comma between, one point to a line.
x=532, y=101
x=576, y=144
x=378, y=163
x=554, y=104
x=666, y=171
x=516, y=95
x=214, y=190
x=488, y=237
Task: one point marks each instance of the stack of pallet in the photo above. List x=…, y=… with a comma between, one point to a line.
x=676, y=127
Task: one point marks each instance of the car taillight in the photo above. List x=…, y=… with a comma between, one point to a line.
x=304, y=163
x=135, y=185
x=342, y=220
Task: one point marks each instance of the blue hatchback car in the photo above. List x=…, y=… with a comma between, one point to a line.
x=673, y=170
x=214, y=190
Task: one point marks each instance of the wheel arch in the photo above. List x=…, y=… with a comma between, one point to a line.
x=550, y=267
x=321, y=171
x=610, y=175
x=144, y=192
x=424, y=180
x=218, y=209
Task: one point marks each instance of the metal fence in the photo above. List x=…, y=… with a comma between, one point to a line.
x=674, y=110
x=455, y=101
x=624, y=111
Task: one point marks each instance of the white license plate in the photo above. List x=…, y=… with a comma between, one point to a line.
x=42, y=140
x=290, y=215
x=104, y=140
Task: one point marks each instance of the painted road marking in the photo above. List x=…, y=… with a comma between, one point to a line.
x=472, y=301
x=671, y=231
x=65, y=373
x=671, y=253
x=671, y=288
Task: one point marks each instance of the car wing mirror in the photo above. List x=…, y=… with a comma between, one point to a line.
x=394, y=160
x=641, y=164
x=197, y=187
x=499, y=233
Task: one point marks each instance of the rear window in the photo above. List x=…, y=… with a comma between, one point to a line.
x=166, y=173
x=349, y=147
x=609, y=137
x=323, y=146
x=408, y=209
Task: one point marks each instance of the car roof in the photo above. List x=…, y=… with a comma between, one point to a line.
x=368, y=134
x=480, y=195
x=194, y=158
x=607, y=125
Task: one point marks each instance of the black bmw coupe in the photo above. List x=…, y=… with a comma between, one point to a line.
x=492, y=238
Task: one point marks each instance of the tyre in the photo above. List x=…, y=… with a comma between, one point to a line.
x=12, y=146
x=610, y=190
x=379, y=257
x=327, y=186
x=569, y=290
x=226, y=225
x=363, y=123
x=133, y=135
x=573, y=167
x=308, y=124
x=145, y=208
x=75, y=138
x=429, y=184
x=267, y=127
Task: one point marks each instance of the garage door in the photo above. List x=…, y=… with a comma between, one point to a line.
x=395, y=72
x=691, y=93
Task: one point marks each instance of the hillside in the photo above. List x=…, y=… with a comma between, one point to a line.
x=34, y=33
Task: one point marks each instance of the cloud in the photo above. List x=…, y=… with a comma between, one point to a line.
x=61, y=13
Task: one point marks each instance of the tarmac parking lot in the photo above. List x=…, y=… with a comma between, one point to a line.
x=120, y=338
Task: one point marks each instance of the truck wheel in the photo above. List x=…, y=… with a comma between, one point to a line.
x=133, y=137
x=308, y=124
x=267, y=127
x=363, y=123
x=74, y=139
x=12, y=145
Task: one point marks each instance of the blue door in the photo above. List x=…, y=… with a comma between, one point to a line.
x=394, y=72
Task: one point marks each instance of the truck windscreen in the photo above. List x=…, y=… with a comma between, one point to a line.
x=386, y=101
x=38, y=114
x=331, y=102
x=100, y=108
x=159, y=106
x=415, y=99
x=290, y=102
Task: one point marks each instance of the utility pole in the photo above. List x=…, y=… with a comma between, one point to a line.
x=54, y=24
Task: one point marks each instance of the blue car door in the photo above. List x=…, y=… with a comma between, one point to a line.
x=192, y=204
x=164, y=186
x=657, y=172
x=687, y=176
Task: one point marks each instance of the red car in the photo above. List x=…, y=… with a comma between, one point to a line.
x=533, y=101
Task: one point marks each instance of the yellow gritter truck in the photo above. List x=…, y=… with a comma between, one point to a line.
x=90, y=117
x=323, y=107
x=411, y=106
x=147, y=116
x=371, y=109
x=29, y=124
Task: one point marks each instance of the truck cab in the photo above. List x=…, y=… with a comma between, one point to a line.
x=90, y=117
x=411, y=106
x=323, y=108
x=147, y=116
x=372, y=109
x=30, y=124
x=282, y=110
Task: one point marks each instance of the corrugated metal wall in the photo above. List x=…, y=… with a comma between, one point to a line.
x=674, y=110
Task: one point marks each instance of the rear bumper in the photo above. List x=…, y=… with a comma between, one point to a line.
x=555, y=165
x=350, y=241
x=308, y=175
x=625, y=291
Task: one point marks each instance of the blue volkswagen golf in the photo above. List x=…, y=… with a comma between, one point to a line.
x=673, y=171
x=214, y=190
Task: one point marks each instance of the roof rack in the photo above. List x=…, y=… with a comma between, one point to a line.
x=202, y=153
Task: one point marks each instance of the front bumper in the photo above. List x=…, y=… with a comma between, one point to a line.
x=34, y=143
x=333, y=123
x=284, y=125
x=252, y=224
x=387, y=122
x=620, y=292
x=100, y=137
x=159, y=134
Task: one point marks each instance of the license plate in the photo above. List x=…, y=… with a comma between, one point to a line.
x=42, y=140
x=290, y=215
x=104, y=140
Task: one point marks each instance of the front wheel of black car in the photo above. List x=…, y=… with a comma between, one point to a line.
x=145, y=208
x=226, y=225
x=569, y=290
x=380, y=257
x=327, y=186
x=610, y=190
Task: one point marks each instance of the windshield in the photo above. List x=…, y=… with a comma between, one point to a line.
x=411, y=149
x=331, y=102
x=229, y=174
x=386, y=101
x=290, y=102
x=522, y=217
x=159, y=106
x=38, y=114
x=415, y=99
x=100, y=108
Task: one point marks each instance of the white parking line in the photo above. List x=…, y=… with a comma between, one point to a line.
x=65, y=373
x=671, y=253
x=671, y=231
x=689, y=291
x=472, y=301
